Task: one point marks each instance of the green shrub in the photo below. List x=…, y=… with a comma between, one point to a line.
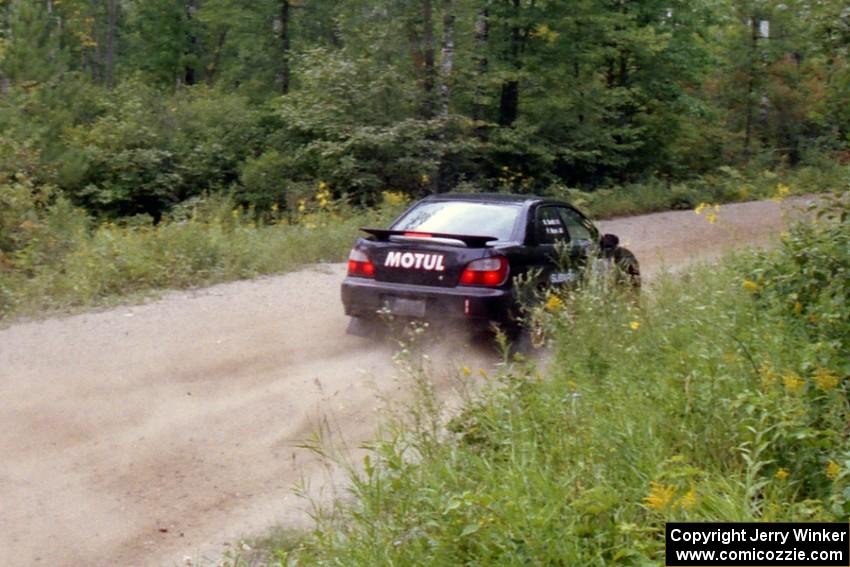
x=146, y=152
x=262, y=180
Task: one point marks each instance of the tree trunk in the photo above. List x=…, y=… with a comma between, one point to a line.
x=335, y=36
x=5, y=83
x=96, y=63
x=577, y=81
x=222, y=37
x=285, y=44
x=751, y=80
x=447, y=55
x=509, y=100
x=189, y=77
x=623, y=74
x=111, y=25
x=429, y=70
x=509, y=103
x=482, y=33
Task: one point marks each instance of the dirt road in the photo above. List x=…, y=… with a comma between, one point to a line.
x=144, y=434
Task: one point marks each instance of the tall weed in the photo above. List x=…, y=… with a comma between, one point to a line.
x=56, y=258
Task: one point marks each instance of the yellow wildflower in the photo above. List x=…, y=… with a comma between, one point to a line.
x=688, y=501
x=750, y=285
x=302, y=205
x=483, y=373
x=782, y=191
x=466, y=370
x=323, y=185
x=798, y=307
x=393, y=197
x=554, y=303
x=425, y=179
x=660, y=496
x=768, y=376
x=711, y=217
x=825, y=379
x=833, y=469
x=792, y=381
x=782, y=474
x=634, y=325
x=544, y=32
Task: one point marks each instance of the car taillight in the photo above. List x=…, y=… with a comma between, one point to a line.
x=360, y=265
x=487, y=272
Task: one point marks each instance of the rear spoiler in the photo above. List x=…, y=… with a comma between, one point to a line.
x=467, y=240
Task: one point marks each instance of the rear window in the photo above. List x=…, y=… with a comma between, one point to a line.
x=460, y=217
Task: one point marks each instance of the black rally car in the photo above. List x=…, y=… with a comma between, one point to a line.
x=455, y=256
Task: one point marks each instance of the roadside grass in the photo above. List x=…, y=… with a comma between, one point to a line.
x=719, y=396
x=61, y=260
x=54, y=257
x=725, y=185
x=271, y=548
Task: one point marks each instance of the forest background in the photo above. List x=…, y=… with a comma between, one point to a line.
x=157, y=141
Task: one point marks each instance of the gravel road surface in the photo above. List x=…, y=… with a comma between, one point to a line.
x=148, y=433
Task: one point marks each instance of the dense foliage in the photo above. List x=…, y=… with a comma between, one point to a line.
x=134, y=106
x=723, y=397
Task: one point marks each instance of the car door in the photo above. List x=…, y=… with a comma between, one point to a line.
x=551, y=250
x=583, y=235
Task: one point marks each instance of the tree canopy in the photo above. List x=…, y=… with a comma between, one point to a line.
x=134, y=106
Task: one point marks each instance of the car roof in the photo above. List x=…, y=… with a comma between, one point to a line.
x=506, y=198
x=524, y=201
x=485, y=197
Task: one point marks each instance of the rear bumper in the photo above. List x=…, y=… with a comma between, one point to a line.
x=365, y=298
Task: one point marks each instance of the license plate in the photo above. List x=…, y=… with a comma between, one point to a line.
x=406, y=307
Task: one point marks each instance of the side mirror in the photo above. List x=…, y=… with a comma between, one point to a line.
x=609, y=241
